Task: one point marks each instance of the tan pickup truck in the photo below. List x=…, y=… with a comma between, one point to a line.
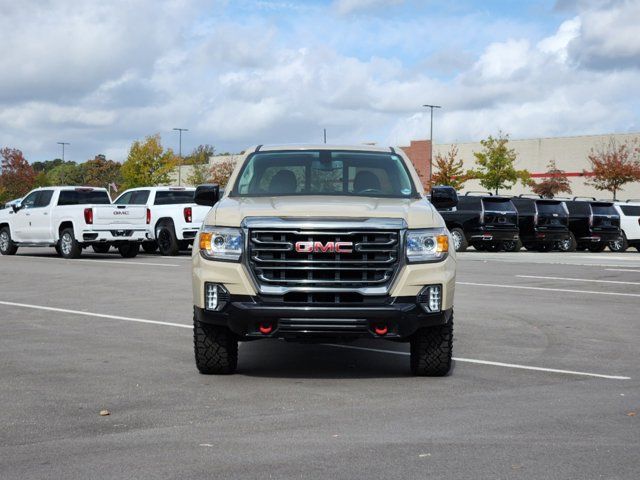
x=323, y=243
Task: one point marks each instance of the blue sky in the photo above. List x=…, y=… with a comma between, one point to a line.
x=236, y=73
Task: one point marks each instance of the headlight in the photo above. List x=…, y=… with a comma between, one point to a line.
x=219, y=243
x=429, y=245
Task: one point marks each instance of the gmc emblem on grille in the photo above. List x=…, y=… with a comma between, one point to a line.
x=319, y=247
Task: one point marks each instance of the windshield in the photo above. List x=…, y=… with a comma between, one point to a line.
x=298, y=173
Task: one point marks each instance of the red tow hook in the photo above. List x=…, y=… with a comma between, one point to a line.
x=265, y=328
x=381, y=329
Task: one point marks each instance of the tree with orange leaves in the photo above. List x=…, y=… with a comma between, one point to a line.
x=449, y=170
x=17, y=176
x=614, y=165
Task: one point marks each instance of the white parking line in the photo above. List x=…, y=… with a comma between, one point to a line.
x=620, y=270
x=522, y=287
x=91, y=314
x=577, y=279
x=105, y=261
x=495, y=364
x=181, y=325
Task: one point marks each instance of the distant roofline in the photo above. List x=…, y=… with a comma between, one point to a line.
x=545, y=138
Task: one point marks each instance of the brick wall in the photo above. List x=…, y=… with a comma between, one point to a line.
x=418, y=152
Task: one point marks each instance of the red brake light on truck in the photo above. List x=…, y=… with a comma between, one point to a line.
x=88, y=216
x=188, y=214
x=148, y=216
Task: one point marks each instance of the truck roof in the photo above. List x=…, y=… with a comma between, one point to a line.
x=322, y=146
x=160, y=188
x=70, y=187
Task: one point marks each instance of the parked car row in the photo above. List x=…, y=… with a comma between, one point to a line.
x=71, y=219
x=492, y=223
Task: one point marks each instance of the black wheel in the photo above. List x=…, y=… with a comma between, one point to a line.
x=129, y=249
x=459, y=240
x=479, y=246
x=569, y=244
x=512, y=245
x=619, y=245
x=597, y=247
x=7, y=247
x=431, y=350
x=493, y=247
x=101, y=247
x=167, y=241
x=149, y=247
x=216, y=349
x=545, y=247
x=69, y=246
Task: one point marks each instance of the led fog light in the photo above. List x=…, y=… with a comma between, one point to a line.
x=215, y=296
x=430, y=298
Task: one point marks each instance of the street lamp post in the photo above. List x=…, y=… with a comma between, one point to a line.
x=63, y=144
x=431, y=141
x=180, y=130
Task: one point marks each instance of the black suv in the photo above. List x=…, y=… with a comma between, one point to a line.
x=542, y=222
x=592, y=224
x=482, y=221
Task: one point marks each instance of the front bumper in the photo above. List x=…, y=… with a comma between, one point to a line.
x=114, y=235
x=401, y=316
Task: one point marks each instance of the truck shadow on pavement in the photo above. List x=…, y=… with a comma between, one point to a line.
x=278, y=359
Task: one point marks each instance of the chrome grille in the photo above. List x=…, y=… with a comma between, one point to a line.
x=274, y=261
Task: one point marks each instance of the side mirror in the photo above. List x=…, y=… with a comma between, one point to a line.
x=16, y=206
x=444, y=197
x=207, y=195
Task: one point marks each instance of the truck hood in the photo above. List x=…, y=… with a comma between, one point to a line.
x=230, y=211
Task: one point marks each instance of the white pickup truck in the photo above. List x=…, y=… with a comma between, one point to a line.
x=173, y=218
x=70, y=219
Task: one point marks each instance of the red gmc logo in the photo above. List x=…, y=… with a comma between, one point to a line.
x=319, y=247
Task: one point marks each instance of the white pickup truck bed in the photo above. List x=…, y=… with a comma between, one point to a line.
x=70, y=219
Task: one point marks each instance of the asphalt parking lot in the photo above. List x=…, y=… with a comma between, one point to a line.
x=546, y=382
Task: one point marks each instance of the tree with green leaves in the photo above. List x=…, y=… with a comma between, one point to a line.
x=555, y=182
x=148, y=163
x=495, y=165
x=199, y=160
x=101, y=172
x=68, y=173
x=449, y=170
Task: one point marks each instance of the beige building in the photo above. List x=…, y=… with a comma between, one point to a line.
x=570, y=154
x=187, y=170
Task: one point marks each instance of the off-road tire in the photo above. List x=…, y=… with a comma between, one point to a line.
x=569, y=245
x=512, y=245
x=69, y=247
x=431, y=350
x=101, y=247
x=167, y=240
x=7, y=247
x=128, y=250
x=149, y=247
x=460, y=239
x=215, y=348
x=621, y=245
x=597, y=247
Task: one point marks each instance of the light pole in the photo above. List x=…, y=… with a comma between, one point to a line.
x=325, y=135
x=431, y=141
x=63, y=144
x=180, y=130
